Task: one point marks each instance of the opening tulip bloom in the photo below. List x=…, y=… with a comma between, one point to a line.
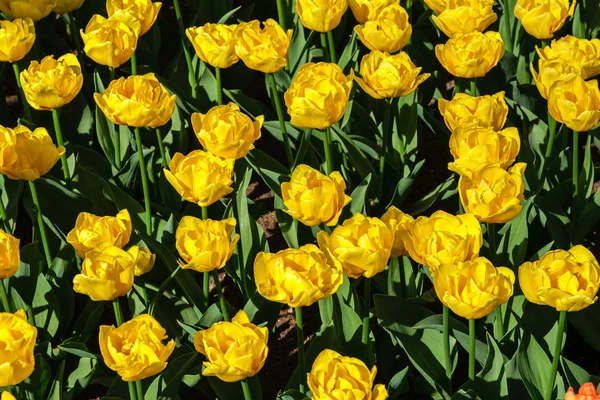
x=132, y=12
x=67, y=6
x=390, y=31
x=234, y=350
x=471, y=55
x=565, y=280
x=227, y=132
x=16, y=39
x=581, y=53
x=541, y=18
x=109, y=42
x=313, y=198
x=464, y=16
x=135, y=350
x=10, y=256
x=34, y=9
x=368, y=10
x=575, y=103
x=51, y=84
x=265, y=49
x=398, y=222
x=17, y=341
x=91, y=231
x=137, y=101
x=464, y=111
x=321, y=15
x=550, y=72
x=587, y=391
x=214, y=44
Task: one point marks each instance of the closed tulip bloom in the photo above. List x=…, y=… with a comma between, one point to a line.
x=17, y=341
x=51, y=83
x=581, y=53
x=313, y=198
x=398, y=222
x=476, y=148
x=200, y=177
x=587, y=391
x=34, y=9
x=16, y=39
x=565, y=280
x=437, y=6
x=390, y=31
x=7, y=396
x=550, y=72
x=493, y=194
x=321, y=15
x=138, y=101
x=471, y=55
x=386, y=76
x=91, y=231
x=214, y=44
x=234, y=350
x=334, y=376
x=109, y=42
x=205, y=245
x=135, y=350
x=464, y=16
x=575, y=103
x=227, y=132
x=143, y=12
x=472, y=289
x=541, y=18
x=361, y=245
x=265, y=49
x=66, y=6
x=10, y=257
x=318, y=95
x=368, y=10
x=443, y=239
x=145, y=262
x=296, y=277
x=465, y=111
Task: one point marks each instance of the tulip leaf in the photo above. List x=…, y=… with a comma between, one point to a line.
x=518, y=235
x=81, y=377
x=577, y=376
x=77, y=349
x=359, y=199
x=56, y=390
x=491, y=380
x=37, y=383
x=88, y=321
x=291, y=395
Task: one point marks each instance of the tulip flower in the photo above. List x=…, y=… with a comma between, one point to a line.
x=390, y=31
x=464, y=16
x=67, y=6
x=109, y=42
x=437, y=6
x=263, y=49
x=7, y=396
x=581, y=53
x=587, y=391
x=214, y=44
x=321, y=15
x=397, y=222
x=92, y=231
x=368, y=10
x=10, y=256
x=471, y=55
x=464, y=111
x=145, y=262
x=542, y=18
x=551, y=72
x=35, y=10
x=575, y=103
x=16, y=39
x=134, y=13
x=17, y=341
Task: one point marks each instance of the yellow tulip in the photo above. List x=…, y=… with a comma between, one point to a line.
x=581, y=53
x=205, y=245
x=145, y=262
x=107, y=272
x=565, y=280
x=27, y=155
x=472, y=289
x=443, y=239
x=214, y=44
x=493, y=194
x=361, y=245
x=296, y=277
x=386, y=76
x=464, y=16
x=16, y=39
x=134, y=13
x=234, y=350
x=52, y=83
x=17, y=341
x=313, y=198
x=471, y=55
x=390, y=31
x=465, y=111
x=476, y=148
x=227, y=132
x=138, y=101
x=334, y=376
x=398, y=222
x=7, y=396
x=109, y=42
x=541, y=18
x=265, y=49
x=318, y=95
x=135, y=350
x=34, y=9
x=66, y=6
x=550, y=72
x=575, y=103
x=368, y=10
x=200, y=177
x=91, y=231
x=437, y=6
x=10, y=257
x=321, y=15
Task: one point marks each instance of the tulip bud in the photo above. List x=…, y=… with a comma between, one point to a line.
x=265, y=49
x=390, y=31
x=385, y=76
x=437, y=6
x=16, y=39
x=465, y=111
x=472, y=289
x=464, y=16
x=334, y=376
x=205, y=245
x=565, y=280
x=397, y=222
x=575, y=103
x=471, y=55
x=91, y=231
x=17, y=341
x=35, y=10
x=318, y=96
x=134, y=13
x=234, y=350
x=587, y=391
x=145, y=262
x=321, y=15
x=541, y=18
x=10, y=257
x=368, y=10
x=583, y=54
x=109, y=42
x=214, y=44
x=51, y=84
x=67, y=6
x=200, y=177
x=135, y=350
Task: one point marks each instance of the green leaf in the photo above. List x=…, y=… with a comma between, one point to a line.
x=37, y=383
x=491, y=381
x=398, y=384
x=88, y=321
x=534, y=367
x=82, y=376
x=518, y=235
x=359, y=200
x=77, y=349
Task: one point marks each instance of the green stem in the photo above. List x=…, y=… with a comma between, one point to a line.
x=385, y=135
x=366, y=315
x=186, y=52
x=474, y=87
x=332, y=55
x=5, y=300
x=562, y=322
x=281, y=14
x=139, y=390
x=219, y=86
x=132, y=395
x=4, y=217
x=206, y=275
x=40, y=222
x=118, y=312
x=327, y=148
x=60, y=142
x=145, y=186
x=111, y=73
x=133, y=64
x=507, y=25
x=301, y=361
x=74, y=32
x=279, y=108
x=446, y=331
x=326, y=55
x=222, y=302
x=161, y=148
x=26, y=109
x=246, y=389
x=575, y=169
x=551, y=135
x=472, y=352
